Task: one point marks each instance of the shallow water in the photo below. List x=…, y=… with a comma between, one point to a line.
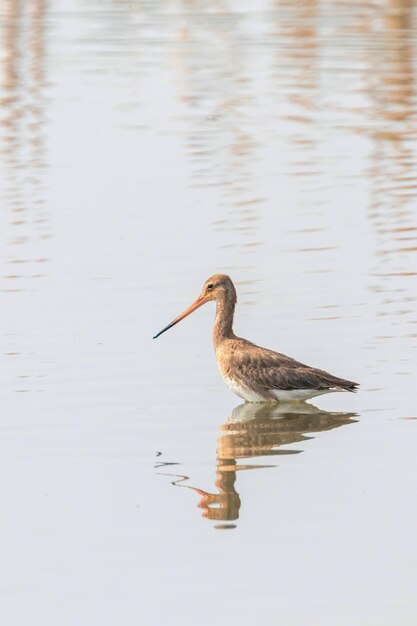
x=143, y=147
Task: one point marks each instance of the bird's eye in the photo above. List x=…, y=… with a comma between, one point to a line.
x=210, y=286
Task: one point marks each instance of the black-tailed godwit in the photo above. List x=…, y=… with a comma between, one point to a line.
x=257, y=374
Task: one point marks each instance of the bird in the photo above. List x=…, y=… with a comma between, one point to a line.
x=254, y=373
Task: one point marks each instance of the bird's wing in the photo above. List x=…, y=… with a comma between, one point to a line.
x=270, y=370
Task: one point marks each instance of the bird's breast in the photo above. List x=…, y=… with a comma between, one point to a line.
x=228, y=364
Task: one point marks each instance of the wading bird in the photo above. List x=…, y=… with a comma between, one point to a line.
x=257, y=374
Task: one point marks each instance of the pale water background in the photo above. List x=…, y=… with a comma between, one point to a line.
x=145, y=145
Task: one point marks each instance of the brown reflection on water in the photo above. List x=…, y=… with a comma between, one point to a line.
x=216, y=86
x=393, y=171
x=296, y=76
x=22, y=149
x=394, y=156
x=254, y=431
x=298, y=94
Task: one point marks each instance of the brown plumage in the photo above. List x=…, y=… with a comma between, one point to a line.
x=257, y=374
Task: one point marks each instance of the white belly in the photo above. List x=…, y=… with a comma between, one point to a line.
x=277, y=395
x=292, y=395
x=243, y=392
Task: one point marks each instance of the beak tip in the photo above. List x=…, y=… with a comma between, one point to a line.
x=190, y=309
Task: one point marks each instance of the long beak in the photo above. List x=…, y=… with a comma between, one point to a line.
x=195, y=305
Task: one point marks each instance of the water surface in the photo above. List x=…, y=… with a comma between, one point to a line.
x=143, y=147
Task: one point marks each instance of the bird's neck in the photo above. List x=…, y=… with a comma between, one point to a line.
x=223, y=322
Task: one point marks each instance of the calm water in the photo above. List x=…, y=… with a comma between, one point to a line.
x=144, y=146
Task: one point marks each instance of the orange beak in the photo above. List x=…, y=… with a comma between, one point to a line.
x=195, y=305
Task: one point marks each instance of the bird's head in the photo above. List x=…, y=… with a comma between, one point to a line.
x=218, y=287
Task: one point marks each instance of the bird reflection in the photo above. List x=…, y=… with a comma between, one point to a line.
x=257, y=430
